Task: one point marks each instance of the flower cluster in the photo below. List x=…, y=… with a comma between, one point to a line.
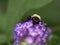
x=32, y=34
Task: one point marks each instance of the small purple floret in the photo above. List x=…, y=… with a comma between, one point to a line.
x=32, y=34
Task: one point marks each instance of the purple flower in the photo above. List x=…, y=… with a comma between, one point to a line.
x=32, y=34
x=30, y=38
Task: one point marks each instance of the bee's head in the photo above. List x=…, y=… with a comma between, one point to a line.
x=36, y=18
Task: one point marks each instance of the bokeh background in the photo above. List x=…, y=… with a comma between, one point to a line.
x=14, y=11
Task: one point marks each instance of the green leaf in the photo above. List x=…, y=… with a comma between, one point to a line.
x=56, y=28
x=2, y=38
x=3, y=6
x=34, y=4
x=54, y=42
x=3, y=23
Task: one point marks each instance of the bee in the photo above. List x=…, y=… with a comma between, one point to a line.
x=35, y=18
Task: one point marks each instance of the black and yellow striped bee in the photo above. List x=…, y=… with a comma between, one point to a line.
x=35, y=18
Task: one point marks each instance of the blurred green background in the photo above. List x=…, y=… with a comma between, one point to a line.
x=14, y=11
